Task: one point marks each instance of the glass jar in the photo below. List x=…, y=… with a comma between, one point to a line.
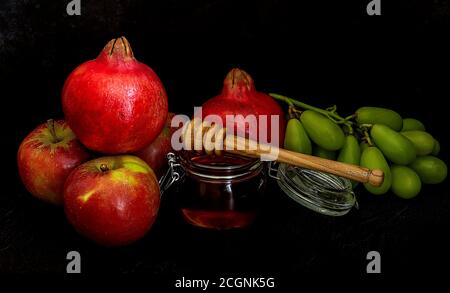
x=220, y=192
x=321, y=192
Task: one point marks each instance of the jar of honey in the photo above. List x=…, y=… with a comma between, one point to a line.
x=219, y=192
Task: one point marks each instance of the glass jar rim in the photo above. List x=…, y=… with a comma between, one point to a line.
x=237, y=166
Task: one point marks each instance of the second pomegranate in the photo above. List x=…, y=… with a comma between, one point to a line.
x=240, y=99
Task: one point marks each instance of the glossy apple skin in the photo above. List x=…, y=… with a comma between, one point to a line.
x=115, y=104
x=114, y=207
x=155, y=153
x=44, y=165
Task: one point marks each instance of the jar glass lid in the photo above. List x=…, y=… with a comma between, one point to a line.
x=321, y=192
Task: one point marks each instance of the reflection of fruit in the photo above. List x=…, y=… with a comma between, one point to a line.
x=112, y=200
x=322, y=130
x=394, y=146
x=423, y=142
x=405, y=182
x=412, y=124
x=372, y=158
x=431, y=170
x=155, y=153
x=376, y=115
x=240, y=97
x=323, y=153
x=296, y=138
x=46, y=157
x=114, y=103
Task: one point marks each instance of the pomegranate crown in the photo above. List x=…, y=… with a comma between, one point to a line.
x=238, y=81
x=117, y=50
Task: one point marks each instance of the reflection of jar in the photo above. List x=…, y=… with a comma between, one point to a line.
x=220, y=192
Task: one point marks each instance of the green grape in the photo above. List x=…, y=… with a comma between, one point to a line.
x=376, y=115
x=322, y=130
x=431, y=170
x=318, y=151
x=405, y=182
x=412, y=124
x=436, y=148
x=373, y=158
x=397, y=148
x=350, y=153
x=296, y=138
x=423, y=142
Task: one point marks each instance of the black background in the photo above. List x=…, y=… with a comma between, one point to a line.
x=323, y=52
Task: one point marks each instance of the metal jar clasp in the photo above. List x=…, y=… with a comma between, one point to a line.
x=173, y=174
x=273, y=170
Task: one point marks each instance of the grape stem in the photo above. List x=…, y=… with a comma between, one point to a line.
x=291, y=112
x=329, y=112
x=294, y=113
x=350, y=128
x=367, y=137
x=350, y=117
x=290, y=101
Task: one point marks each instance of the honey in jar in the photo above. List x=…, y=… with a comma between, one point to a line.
x=220, y=192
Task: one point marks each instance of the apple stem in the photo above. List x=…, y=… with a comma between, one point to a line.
x=51, y=128
x=104, y=168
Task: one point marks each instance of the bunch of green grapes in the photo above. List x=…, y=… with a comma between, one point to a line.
x=373, y=137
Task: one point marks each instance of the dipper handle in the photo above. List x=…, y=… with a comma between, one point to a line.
x=215, y=139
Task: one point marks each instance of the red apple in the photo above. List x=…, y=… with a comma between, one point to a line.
x=46, y=157
x=155, y=153
x=112, y=200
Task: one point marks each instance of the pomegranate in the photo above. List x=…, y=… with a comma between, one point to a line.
x=115, y=104
x=155, y=154
x=240, y=97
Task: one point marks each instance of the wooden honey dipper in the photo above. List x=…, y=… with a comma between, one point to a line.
x=214, y=139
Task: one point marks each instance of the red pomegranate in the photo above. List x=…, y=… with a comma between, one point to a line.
x=239, y=97
x=155, y=154
x=115, y=104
